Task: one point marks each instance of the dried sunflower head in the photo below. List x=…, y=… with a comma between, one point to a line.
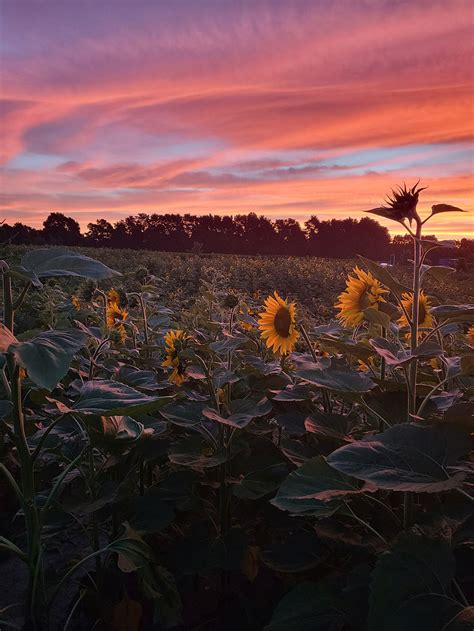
x=401, y=204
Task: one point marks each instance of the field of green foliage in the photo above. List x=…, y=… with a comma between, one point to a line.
x=208, y=442
x=182, y=280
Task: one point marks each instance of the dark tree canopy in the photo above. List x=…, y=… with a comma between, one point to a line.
x=61, y=230
x=237, y=234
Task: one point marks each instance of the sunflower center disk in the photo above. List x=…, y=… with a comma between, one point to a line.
x=282, y=322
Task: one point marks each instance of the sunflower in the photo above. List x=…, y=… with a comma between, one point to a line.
x=425, y=320
x=113, y=296
x=277, y=324
x=175, y=341
x=115, y=314
x=76, y=303
x=401, y=204
x=362, y=291
x=470, y=335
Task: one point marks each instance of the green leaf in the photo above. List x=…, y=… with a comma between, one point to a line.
x=444, y=312
x=118, y=429
x=314, y=480
x=150, y=514
x=407, y=457
x=300, y=552
x=338, y=379
x=18, y=271
x=396, y=357
x=111, y=398
x=375, y=316
x=383, y=275
x=47, y=357
x=259, y=483
x=305, y=607
x=416, y=566
x=133, y=552
x=63, y=262
x=326, y=425
x=348, y=347
x=184, y=414
x=439, y=272
x=294, y=393
x=428, y=612
x=193, y=453
x=238, y=420
x=445, y=208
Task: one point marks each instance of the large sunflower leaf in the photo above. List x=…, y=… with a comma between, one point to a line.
x=258, y=483
x=444, y=312
x=63, y=262
x=445, y=208
x=314, y=480
x=47, y=357
x=383, y=275
x=338, y=379
x=184, y=413
x=306, y=606
x=407, y=457
x=110, y=398
x=238, y=420
x=416, y=567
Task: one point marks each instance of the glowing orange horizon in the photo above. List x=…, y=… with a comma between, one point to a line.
x=286, y=109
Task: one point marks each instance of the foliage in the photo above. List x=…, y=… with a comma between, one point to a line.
x=326, y=487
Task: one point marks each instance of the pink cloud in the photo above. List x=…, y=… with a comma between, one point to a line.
x=216, y=106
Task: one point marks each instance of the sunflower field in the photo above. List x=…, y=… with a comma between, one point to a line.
x=252, y=458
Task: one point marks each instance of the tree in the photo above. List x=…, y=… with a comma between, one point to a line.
x=61, y=230
x=99, y=233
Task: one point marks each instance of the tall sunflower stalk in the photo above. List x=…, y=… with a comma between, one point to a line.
x=401, y=206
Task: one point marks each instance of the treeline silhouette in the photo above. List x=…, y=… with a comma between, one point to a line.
x=237, y=234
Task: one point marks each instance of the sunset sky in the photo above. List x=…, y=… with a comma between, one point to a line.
x=286, y=108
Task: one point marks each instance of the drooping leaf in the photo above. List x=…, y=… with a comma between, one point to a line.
x=384, y=276
x=63, y=262
x=293, y=393
x=257, y=484
x=438, y=272
x=444, y=312
x=28, y=275
x=140, y=379
x=338, y=379
x=306, y=606
x=299, y=552
x=184, y=413
x=193, y=453
x=416, y=566
x=238, y=420
x=314, y=480
x=396, y=357
x=327, y=425
x=376, y=316
x=407, y=457
x=47, y=357
x=348, y=347
x=111, y=398
x=445, y=208
x=118, y=429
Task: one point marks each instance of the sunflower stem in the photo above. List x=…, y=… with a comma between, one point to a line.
x=326, y=398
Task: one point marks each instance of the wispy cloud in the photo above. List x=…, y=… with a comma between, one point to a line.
x=286, y=108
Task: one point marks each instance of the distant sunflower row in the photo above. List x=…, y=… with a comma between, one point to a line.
x=277, y=322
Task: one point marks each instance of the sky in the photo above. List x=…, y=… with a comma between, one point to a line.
x=285, y=108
